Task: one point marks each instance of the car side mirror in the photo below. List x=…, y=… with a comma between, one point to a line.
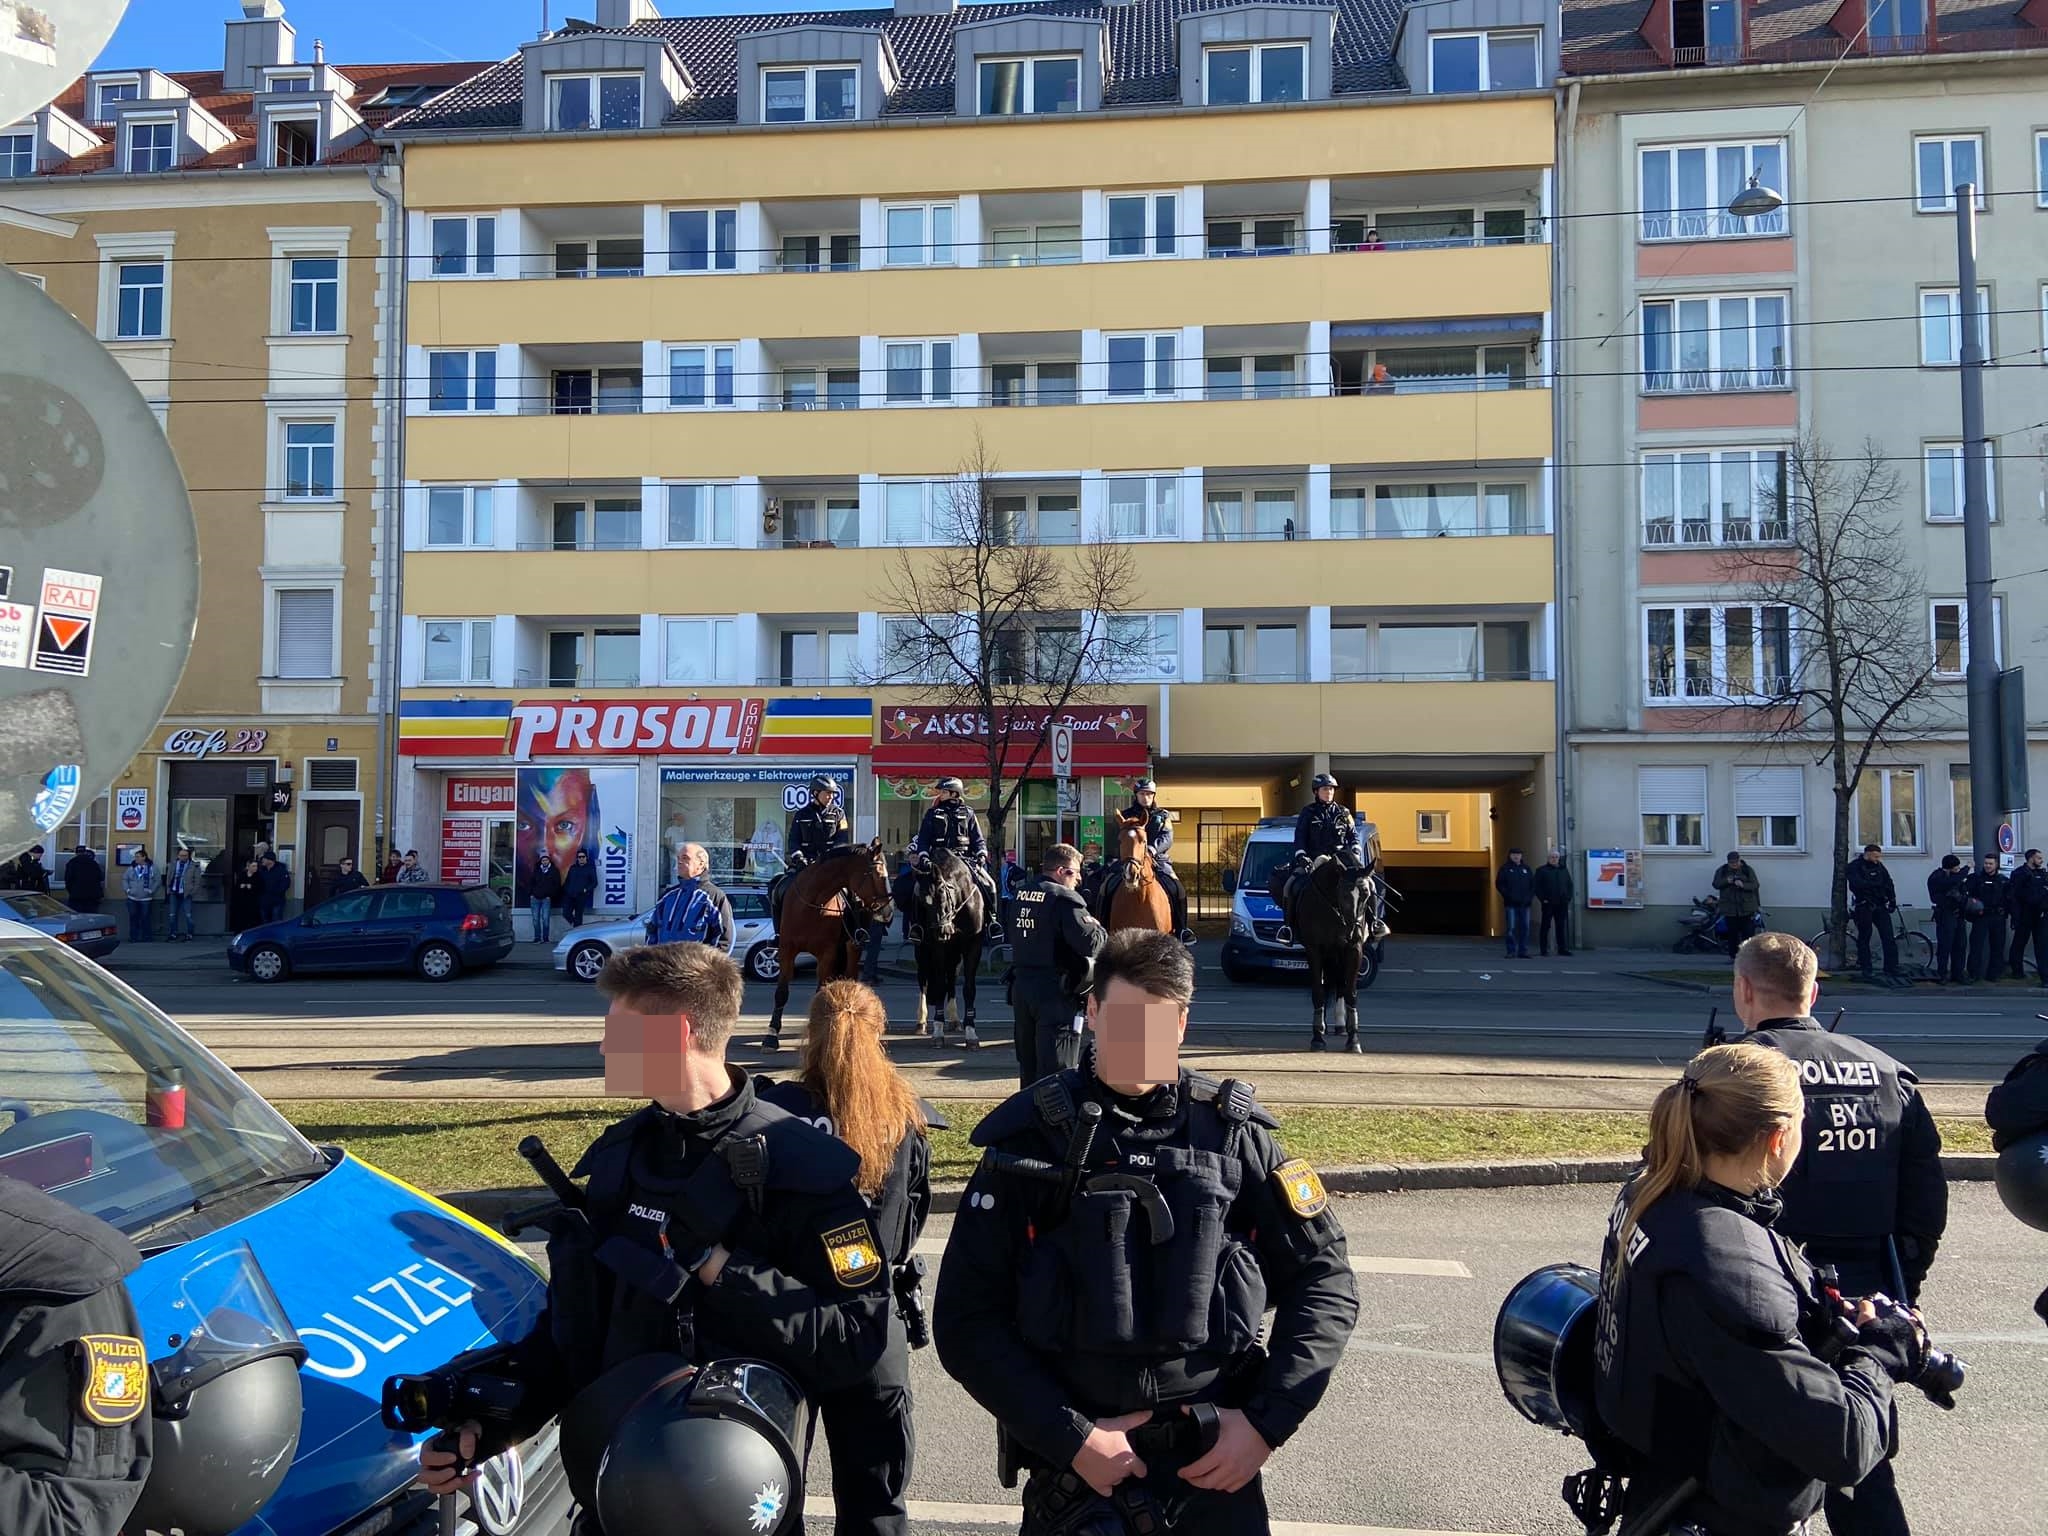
x=1230, y=882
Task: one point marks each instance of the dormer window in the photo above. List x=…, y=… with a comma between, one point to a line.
x=580, y=103
x=1238, y=76
x=1705, y=32
x=107, y=92
x=152, y=146
x=1030, y=87
x=818, y=93
x=17, y=155
x=1896, y=25
x=295, y=80
x=1461, y=62
x=294, y=141
x=395, y=96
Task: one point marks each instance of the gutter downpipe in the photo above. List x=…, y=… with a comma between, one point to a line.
x=391, y=519
x=1561, y=439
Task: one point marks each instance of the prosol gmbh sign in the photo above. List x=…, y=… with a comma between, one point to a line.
x=702, y=727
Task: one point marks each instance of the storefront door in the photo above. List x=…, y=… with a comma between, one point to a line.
x=498, y=846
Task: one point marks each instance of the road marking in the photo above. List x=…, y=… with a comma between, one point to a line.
x=1361, y=1264
x=1452, y=971
x=820, y=1507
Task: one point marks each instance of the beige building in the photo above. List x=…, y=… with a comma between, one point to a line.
x=1700, y=347
x=230, y=236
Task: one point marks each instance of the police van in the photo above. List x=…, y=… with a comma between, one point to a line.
x=1254, y=949
x=258, y=1246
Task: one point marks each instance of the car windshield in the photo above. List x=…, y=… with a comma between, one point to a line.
x=34, y=906
x=108, y=1105
x=1260, y=860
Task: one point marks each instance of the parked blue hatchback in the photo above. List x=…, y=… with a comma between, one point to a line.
x=439, y=931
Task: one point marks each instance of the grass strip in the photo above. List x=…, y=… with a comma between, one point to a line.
x=469, y=1143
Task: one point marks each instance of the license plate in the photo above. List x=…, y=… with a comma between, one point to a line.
x=1290, y=965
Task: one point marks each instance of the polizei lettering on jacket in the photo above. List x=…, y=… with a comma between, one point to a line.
x=710, y=727
x=1838, y=1074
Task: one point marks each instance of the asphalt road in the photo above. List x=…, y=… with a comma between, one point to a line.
x=1414, y=1434
x=1471, y=1032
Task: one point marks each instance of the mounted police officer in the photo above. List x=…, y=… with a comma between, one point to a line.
x=950, y=823
x=1145, y=806
x=816, y=831
x=1867, y=1195
x=713, y=1225
x=1056, y=942
x=1129, y=1224
x=1325, y=827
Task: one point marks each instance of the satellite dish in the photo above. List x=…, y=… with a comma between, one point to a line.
x=47, y=44
x=99, y=567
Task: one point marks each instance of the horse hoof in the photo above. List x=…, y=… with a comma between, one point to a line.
x=1351, y=1044
x=771, y=1042
x=1318, y=1043
x=970, y=1039
x=1187, y=937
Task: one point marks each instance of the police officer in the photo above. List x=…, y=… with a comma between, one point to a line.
x=1705, y=1341
x=2029, y=914
x=1074, y=1312
x=75, y=1429
x=1867, y=1195
x=1145, y=806
x=1952, y=939
x=949, y=822
x=1324, y=826
x=815, y=831
x=714, y=1225
x=1987, y=894
x=1056, y=943
x=1872, y=901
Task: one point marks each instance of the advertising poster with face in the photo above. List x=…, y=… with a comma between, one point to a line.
x=564, y=811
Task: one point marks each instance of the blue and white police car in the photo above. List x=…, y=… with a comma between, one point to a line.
x=1254, y=948
x=110, y=1106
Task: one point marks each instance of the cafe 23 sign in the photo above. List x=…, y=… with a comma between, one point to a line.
x=198, y=744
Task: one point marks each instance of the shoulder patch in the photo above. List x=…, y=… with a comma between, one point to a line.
x=855, y=1255
x=116, y=1385
x=1301, y=1187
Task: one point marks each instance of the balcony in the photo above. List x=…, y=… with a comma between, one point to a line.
x=1434, y=509
x=1260, y=219
x=580, y=381
x=1041, y=368
x=812, y=235
x=808, y=375
x=813, y=515
x=1254, y=648
x=576, y=653
x=1434, y=357
x=581, y=517
x=1261, y=362
x=583, y=243
x=1040, y=229
x=1254, y=504
x=1422, y=646
x=810, y=651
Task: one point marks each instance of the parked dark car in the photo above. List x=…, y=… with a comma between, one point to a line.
x=88, y=933
x=438, y=930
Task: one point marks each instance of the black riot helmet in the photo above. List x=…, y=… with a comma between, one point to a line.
x=713, y=1453
x=1323, y=781
x=824, y=784
x=226, y=1398
x=2022, y=1175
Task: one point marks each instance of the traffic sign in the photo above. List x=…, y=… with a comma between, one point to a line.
x=1063, y=751
x=2007, y=842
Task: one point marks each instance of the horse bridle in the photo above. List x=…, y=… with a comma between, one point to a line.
x=1355, y=926
x=881, y=912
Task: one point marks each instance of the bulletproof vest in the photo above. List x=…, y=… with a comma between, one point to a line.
x=1845, y=1186
x=951, y=822
x=813, y=828
x=1329, y=828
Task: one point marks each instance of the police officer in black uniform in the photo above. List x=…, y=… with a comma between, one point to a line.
x=1159, y=840
x=712, y=1225
x=1867, y=1196
x=816, y=831
x=1056, y=942
x=1075, y=1311
x=74, y=1383
x=1325, y=827
x=949, y=822
x=1718, y=1361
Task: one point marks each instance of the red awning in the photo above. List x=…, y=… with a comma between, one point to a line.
x=930, y=759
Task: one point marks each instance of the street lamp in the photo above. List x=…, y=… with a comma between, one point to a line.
x=1754, y=201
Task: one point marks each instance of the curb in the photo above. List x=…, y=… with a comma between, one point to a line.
x=1693, y=988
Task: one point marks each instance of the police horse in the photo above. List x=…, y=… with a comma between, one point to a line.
x=826, y=909
x=1135, y=898
x=954, y=920
x=1331, y=909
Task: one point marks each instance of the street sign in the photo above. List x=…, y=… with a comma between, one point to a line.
x=2007, y=842
x=1063, y=751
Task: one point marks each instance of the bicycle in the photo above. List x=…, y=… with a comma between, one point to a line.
x=1915, y=947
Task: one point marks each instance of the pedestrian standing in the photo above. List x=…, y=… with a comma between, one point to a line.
x=1516, y=883
x=245, y=896
x=181, y=885
x=543, y=890
x=1986, y=895
x=2027, y=899
x=273, y=887
x=393, y=864
x=30, y=873
x=410, y=870
x=579, y=884
x=1872, y=901
x=347, y=878
x=85, y=880
x=1554, y=894
x=140, y=883
x=1951, y=933
x=1742, y=897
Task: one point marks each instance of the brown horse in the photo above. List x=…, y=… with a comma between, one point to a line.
x=1139, y=900
x=826, y=909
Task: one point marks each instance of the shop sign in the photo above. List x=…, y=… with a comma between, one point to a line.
x=462, y=850
x=1087, y=722
x=131, y=810
x=795, y=780
x=1614, y=877
x=477, y=794
x=713, y=727
x=197, y=744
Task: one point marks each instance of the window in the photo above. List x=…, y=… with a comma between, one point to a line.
x=704, y=240
x=1888, y=808
x=700, y=514
x=820, y=253
x=815, y=658
x=622, y=256
x=459, y=517
x=1484, y=61
x=1941, y=326
x=1686, y=189
x=699, y=651
x=701, y=376
x=1238, y=75
x=1728, y=342
x=152, y=146
x=1430, y=509
x=1251, y=653
x=1143, y=506
x=1717, y=654
x=819, y=93
x=1940, y=165
x=294, y=141
x=315, y=295
x=604, y=658
x=17, y=156
x=1033, y=383
x=903, y=508
x=1895, y=26
x=1252, y=237
x=1672, y=803
x=1142, y=224
x=462, y=381
x=1707, y=496
x=1264, y=514
x=352, y=908
x=800, y=389
x=578, y=103
x=914, y=650
x=309, y=461
x=1432, y=826
x=1961, y=833
x=606, y=522
x=1049, y=517
x=1144, y=645
x=1142, y=365
x=455, y=651
x=111, y=91
x=1016, y=87
x=918, y=372
x=1037, y=245
x=1944, y=475
x=1263, y=376
x=918, y=234
x=1949, y=625
x=139, y=289
x=465, y=246
x=305, y=632
x=278, y=80
x=807, y=526
x=600, y=391
x=1770, y=807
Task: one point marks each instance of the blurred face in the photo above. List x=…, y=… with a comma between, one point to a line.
x=409, y=860
x=694, y=862
x=643, y=1052
x=1326, y=793
x=1148, y=798
x=1990, y=863
x=1066, y=874
x=1137, y=1037
x=1873, y=856
x=348, y=866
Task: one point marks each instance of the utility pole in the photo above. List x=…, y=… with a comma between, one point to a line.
x=1987, y=798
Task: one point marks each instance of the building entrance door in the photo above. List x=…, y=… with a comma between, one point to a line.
x=333, y=832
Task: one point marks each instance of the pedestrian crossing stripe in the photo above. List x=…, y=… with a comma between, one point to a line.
x=1301, y=1187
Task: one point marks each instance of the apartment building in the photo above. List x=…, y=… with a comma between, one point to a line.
x=223, y=233
x=703, y=315
x=1700, y=346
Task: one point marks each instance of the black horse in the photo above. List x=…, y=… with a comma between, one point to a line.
x=1330, y=912
x=949, y=909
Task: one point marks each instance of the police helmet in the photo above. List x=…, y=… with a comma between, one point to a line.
x=713, y=1453
x=1144, y=785
x=1324, y=781
x=2022, y=1175
x=1542, y=1347
x=824, y=784
x=953, y=784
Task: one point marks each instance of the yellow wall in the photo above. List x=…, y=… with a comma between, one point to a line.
x=1363, y=718
x=1394, y=815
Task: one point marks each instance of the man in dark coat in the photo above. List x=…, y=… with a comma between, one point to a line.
x=1516, y=883
x=1553, y=886
x=1872, y=901
x=579, y=884
x=273, y=886
x=1986, y=896
x=1951, y=934
x=85, y=881
x=1742, y=897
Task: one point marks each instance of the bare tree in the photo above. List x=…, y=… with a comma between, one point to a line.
x=991, y=622
x=1844, y=672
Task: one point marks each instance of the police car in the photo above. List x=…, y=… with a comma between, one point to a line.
x=110, y=1106
x=1253, y=949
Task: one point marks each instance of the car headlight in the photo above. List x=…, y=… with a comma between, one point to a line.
x=1239, y=928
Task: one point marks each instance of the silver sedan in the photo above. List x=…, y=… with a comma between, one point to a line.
x=89, y=933
x=582, y=952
